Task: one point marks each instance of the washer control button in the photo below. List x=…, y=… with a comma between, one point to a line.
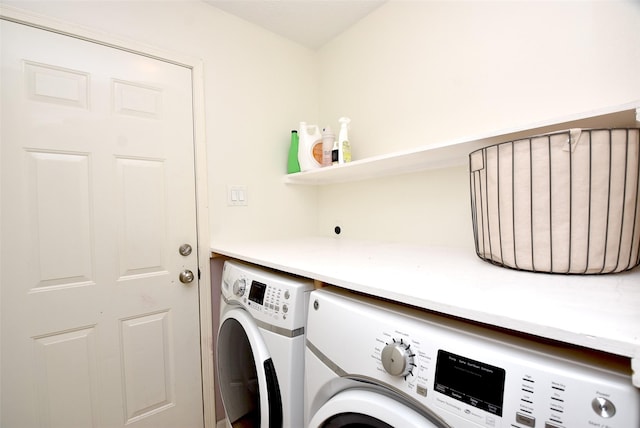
x=525, y=420
x=603, y=407
x=421, y=390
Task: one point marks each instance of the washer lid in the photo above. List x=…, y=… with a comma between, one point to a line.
x=366, y=408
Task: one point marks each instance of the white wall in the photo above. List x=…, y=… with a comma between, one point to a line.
x=409, y=74
x=417, y=72
x=253, y=80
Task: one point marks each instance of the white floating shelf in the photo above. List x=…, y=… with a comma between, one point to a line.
x=455, y=152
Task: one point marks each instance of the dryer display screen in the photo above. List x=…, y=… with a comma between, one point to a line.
x=473, y=382
x=256, y=294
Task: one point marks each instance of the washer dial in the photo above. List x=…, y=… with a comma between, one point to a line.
x=397, y=359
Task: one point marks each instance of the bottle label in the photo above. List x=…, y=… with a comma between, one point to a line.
x=316, y=151
x=346, y=151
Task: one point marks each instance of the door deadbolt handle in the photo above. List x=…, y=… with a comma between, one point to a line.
x=185, y=249
x=186, y=276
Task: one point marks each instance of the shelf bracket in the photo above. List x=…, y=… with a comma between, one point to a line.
x=635, y=371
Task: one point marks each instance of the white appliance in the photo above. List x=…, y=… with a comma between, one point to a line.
x=371, y=363
x=260, y=346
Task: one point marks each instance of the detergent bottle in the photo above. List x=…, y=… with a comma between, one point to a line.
x=309, y=147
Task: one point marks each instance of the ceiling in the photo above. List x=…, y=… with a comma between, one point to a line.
x=312, y=23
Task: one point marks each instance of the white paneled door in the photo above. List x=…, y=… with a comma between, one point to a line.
x=98, y=195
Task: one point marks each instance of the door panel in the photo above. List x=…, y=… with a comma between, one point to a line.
x=147, y=366
x=51, y=84
x=97, y=195
x=60, y=219
x=67, y=395
x=142, y=225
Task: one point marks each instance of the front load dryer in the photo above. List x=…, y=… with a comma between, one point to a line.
x=371, y=363
x=260, y=346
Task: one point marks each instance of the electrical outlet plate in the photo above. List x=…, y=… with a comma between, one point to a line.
x=237, y=195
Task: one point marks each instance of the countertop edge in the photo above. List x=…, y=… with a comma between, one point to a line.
x=609, y=323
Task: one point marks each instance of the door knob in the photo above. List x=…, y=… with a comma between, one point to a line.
x=185, y=249
x=186, y=276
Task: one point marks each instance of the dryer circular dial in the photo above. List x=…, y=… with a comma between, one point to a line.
x=239, y=286
x=603, y=407
x=397, y=358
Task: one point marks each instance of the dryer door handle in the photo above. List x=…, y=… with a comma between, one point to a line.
x=250, y=327
x=239, y=339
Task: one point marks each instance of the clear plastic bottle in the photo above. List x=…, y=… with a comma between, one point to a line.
x=328, y=140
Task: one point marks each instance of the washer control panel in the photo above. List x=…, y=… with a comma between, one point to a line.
x=469, y=375
x=496, y=385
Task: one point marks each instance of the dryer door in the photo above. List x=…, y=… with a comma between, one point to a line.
x=247, y=377
x=363, y=408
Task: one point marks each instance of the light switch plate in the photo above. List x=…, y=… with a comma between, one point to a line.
x=237, y=195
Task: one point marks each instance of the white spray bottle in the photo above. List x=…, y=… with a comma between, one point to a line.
x=344, y=147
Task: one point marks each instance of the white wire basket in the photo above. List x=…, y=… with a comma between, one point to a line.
x=564, y=202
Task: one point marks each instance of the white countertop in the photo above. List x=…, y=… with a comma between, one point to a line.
x=600, y=312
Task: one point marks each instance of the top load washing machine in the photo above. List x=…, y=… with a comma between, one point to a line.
x=371, y=363
x=260, y=346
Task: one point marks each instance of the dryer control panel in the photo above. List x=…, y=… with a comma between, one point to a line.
x=271, y=297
